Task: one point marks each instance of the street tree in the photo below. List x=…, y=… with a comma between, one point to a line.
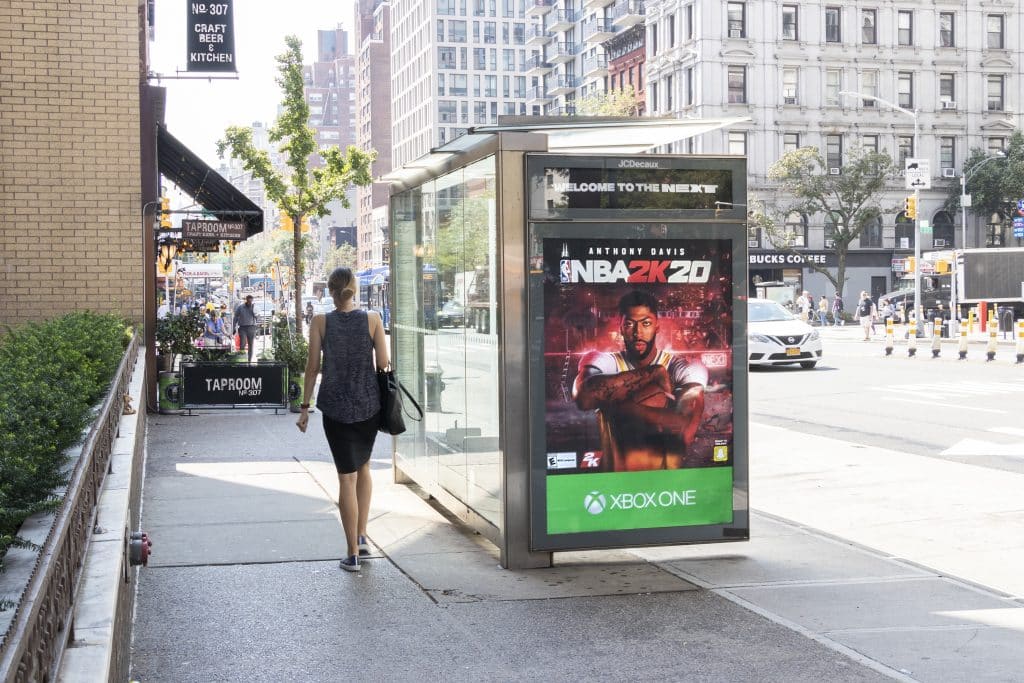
x=995, y=187
x=621, y=102
x=306, y=191
x=344, y=255
x=850, y=201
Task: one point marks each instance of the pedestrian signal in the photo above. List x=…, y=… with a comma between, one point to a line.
x=910, y=207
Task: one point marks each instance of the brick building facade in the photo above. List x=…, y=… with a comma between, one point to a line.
x=70, y=183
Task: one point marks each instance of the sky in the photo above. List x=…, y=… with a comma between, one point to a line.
x=199, y=110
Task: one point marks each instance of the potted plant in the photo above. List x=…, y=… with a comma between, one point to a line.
x=290, y=348
x=176, y=335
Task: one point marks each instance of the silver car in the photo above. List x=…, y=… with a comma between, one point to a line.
x=777, y=337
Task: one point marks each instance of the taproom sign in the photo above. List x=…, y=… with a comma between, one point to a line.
x=252, y=385
x=217, y=230
x=211, y=36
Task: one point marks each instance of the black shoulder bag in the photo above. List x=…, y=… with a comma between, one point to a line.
x=392, y=408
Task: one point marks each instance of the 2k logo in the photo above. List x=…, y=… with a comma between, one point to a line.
x=591, y=460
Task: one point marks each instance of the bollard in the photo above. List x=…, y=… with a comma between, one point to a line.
x=970, y=321
x=1020, y=341
x=962, y=348
x=912, y=338
x=993, y=330
x=888, y=336
x=937, y=338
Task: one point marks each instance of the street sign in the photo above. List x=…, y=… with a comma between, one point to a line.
x=926, y=227
x=917, y=174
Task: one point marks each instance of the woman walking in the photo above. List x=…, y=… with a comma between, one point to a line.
x=350, y=340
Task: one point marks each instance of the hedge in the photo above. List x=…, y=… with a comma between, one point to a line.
x=52, y=373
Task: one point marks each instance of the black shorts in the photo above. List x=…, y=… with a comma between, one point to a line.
x=351, y=442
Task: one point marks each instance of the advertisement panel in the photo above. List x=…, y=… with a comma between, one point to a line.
x=638, y=383
x=637, y=289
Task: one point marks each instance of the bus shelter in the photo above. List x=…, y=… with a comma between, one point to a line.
x=587, y=387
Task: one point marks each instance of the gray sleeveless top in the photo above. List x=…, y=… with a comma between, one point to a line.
x=348, y=387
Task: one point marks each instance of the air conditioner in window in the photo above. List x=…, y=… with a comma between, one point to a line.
x=789, y=100
x=735, y=33
x=829, y=244
x=948, y=104
x=833, y=171
x=949, y=173
x=939, y=243
x=752, y=243
x=869, y=103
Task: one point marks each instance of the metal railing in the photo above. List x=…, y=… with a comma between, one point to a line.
x=34, y=642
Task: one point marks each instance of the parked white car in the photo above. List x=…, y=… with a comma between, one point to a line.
x=777, y=337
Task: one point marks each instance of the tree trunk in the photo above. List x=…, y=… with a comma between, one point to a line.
x=297, y=270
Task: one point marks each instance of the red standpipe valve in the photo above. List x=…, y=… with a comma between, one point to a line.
x=139, y=548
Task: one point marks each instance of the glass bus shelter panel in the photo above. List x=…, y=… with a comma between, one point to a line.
x=406, y=339
x=481, y=338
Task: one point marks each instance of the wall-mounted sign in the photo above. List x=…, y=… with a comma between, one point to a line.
x=218, y=230
x=203, y=246
x=233, y=384
x=211, y=36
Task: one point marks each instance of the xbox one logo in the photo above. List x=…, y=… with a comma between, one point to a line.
x=593, y=502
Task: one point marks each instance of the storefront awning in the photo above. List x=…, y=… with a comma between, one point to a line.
x=212, y=191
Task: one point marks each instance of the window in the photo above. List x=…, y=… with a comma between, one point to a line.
x=520, y=86
x=458, y=88
x=671, y=26
x=456, y=31
x=796, y=229
x=737, y=143
x=446, y=57
x=480, y=58
x=946, y=25
x=905, y=149
x=994, y=93
x=447, y=111
x=688, y=86
x=737, y=18
x=871, y=234
x=737, y=84
x=833, y=151
x=947, y=151
x=479, y=8
x=490, y=86
x=652, y=40
x=479, y=112
x=994, y=145
x=994, y=29
x=868, y=26
x=831, y=221
x=905, y=27
x=654, y=97
x=833, y=84
x=490, y=32
x=440, y=30
x=446, y=7
x=688, y=22
x=519, y=34
x=905, y=89
x=869, y=86
x=668, y=94
x=508, y=58
x=947, y=88
x=789, y=28
x=833, y=34
x=790, y=76
x=869, y=143
x=790, y=142
x=440, y=85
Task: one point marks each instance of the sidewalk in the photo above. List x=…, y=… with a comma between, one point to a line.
x=244, y=585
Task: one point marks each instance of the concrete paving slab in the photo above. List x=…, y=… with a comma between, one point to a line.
x=917, y=603
x=229, y=486
x=780, y=559
x=276, y=541
x=976, y=654
x=231, y=509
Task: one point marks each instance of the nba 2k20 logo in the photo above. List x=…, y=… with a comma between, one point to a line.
x=636, y=271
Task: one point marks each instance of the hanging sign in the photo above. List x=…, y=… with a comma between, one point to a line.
x=211, y=36
x=218, y=230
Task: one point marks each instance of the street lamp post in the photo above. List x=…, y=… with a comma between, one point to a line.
x=917, y=201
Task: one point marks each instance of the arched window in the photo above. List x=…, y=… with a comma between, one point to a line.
x=871, y=235
x=942, y=231
x=904, y=231
x=796, y=230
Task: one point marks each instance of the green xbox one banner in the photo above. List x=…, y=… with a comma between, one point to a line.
x=639, y=500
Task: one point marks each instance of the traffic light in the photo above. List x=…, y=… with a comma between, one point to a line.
x=911, y=264
x=942, y=267
x=910, y=207
x=165, y=213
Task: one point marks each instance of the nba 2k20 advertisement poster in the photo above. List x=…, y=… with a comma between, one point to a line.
x=638, y=383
